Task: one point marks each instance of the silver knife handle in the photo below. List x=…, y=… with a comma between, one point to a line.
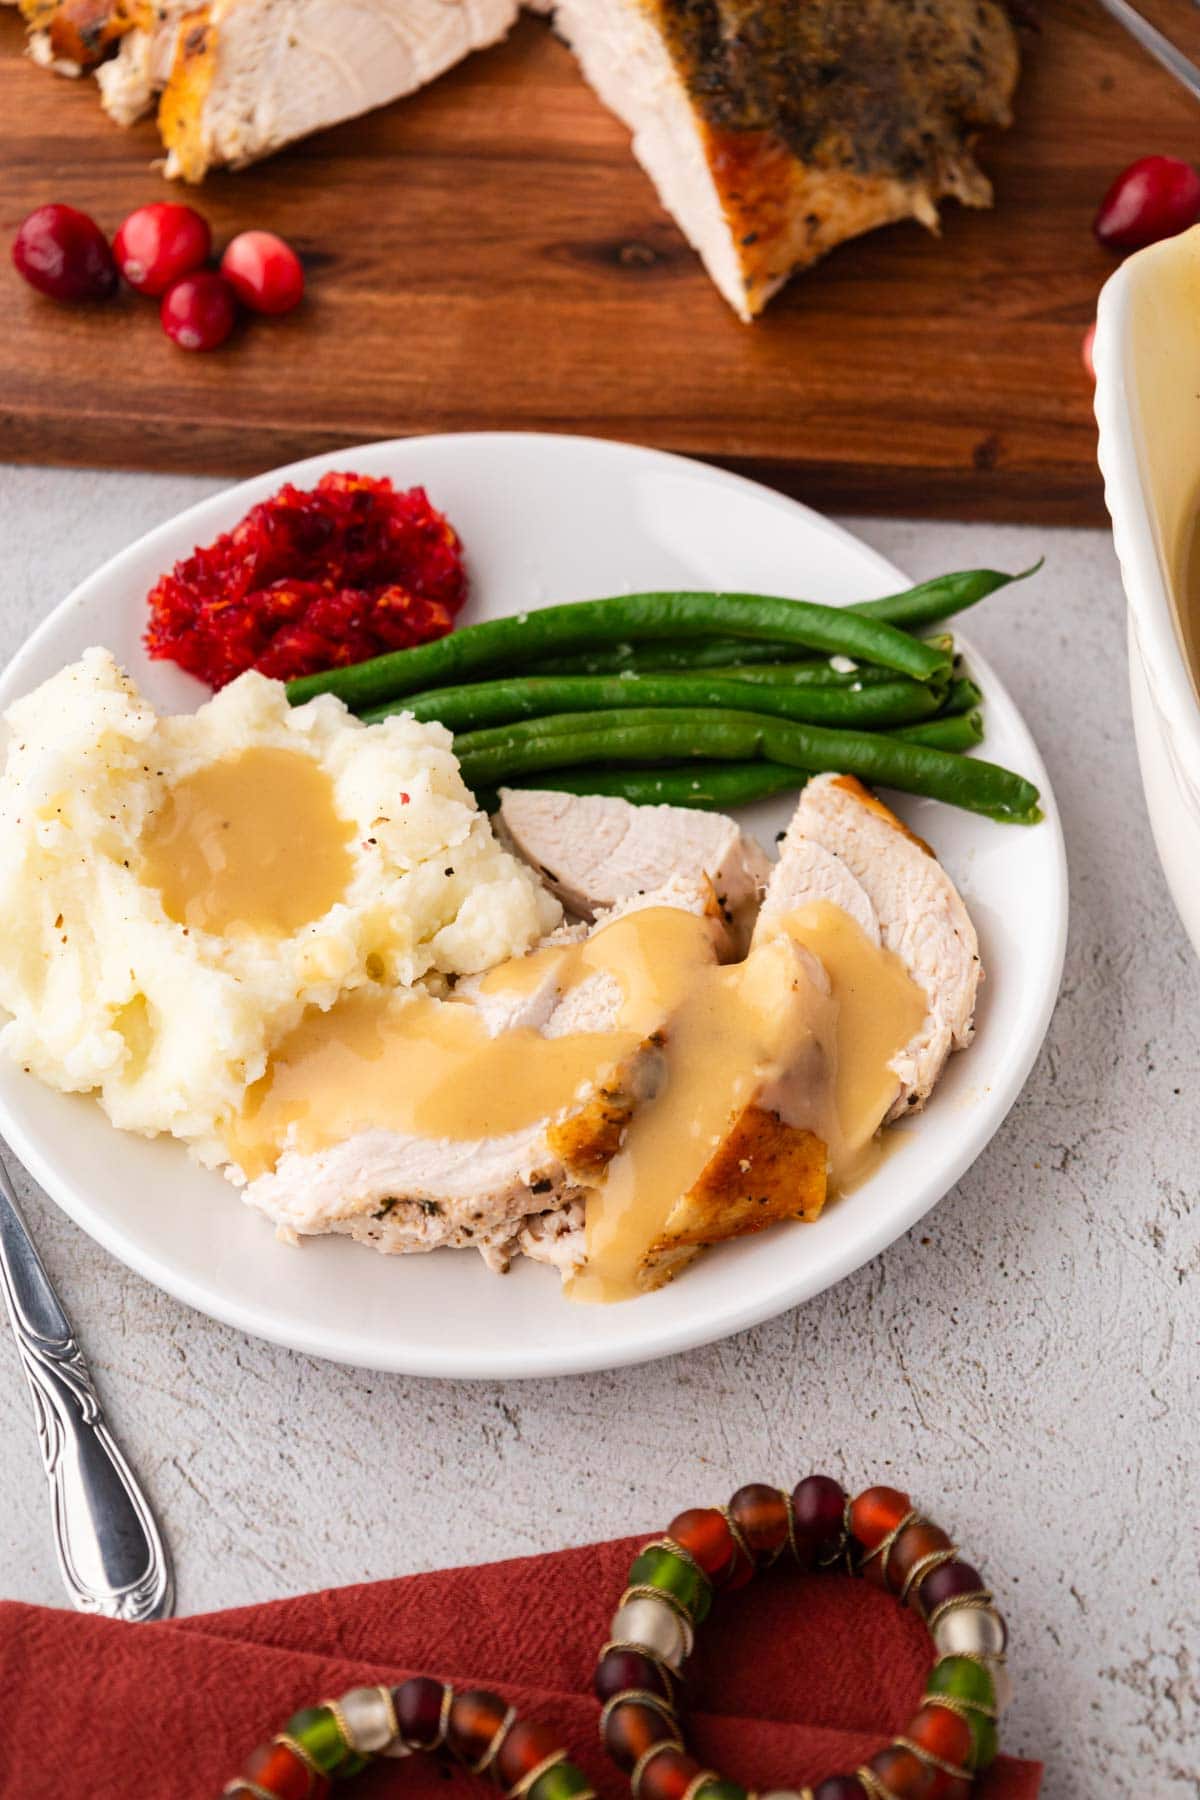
x=111, y=1554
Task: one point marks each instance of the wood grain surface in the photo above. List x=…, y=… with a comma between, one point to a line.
x=488, y=255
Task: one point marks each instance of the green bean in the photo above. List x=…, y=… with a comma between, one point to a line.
x=805, y=674
x=961, y=696
x=940, y=598
x=499, y=643
x=670, y=653
x=669, y=735
x=707, y=787
x=486, y=703
x=688, y=655
x=958, y=731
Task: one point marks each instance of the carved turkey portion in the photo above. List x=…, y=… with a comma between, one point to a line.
x=775, y=129
x=772, y=129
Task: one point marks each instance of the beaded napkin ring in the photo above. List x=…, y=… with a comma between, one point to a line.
x=336, y=1739
x=671, y=1587
x=879, y=1536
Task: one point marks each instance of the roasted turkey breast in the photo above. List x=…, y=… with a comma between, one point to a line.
x=844, y=844
x=248, y=76
x=404, y=1193
x=772, y=129
x=775, y=129
x=593, y=850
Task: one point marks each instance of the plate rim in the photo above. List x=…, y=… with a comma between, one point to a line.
x=543, y=1362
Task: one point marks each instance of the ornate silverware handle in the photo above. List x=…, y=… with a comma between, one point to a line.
x=111, y=1554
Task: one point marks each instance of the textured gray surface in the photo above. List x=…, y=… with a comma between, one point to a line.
x=1026, y=1361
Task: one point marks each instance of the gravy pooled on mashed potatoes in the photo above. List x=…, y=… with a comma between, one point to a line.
x=175, y=891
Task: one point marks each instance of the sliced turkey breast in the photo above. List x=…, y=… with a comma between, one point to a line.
x=402, y=1193
x=251, y=75
x=772, y=129
x=775, y=129
x=594, y=851
x=74, y=35
x=805, y=872
x=919, y=913
x=131, y=81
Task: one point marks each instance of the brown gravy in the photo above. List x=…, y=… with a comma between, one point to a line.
x=763, y=1030
x=249, y=846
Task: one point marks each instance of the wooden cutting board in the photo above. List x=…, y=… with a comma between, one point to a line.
x=488, y=254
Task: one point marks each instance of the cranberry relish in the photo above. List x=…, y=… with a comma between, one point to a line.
x=310, y=580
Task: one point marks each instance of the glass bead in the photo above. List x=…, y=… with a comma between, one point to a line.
x=317, y=1732
x=660, y=1568
x=876, y=1512
x=368, y=1718
x=720, y=1789
x=943, y=1733
x=761, y=1515
x=961, y=1679
x=475, y=1718
x=563, y=1782
x=626, y=1671
x=631, y=1728
x=947, y=1582
x=839, y=1787
x=985, y=1742
x=819, y=1509
x=916, y=1541
x=705, y=1534
x=418, y=1706
x=668, y=1776
x=526, y=1745
x=656, y=1626
x=902, y=1773
x=969, y=1631
x=284, y=1774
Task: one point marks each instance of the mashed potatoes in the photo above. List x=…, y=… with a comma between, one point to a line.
x=175, y=891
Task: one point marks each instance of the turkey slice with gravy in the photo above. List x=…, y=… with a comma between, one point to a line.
x=845, y=846
x=405, y=1190
x=630, y=1093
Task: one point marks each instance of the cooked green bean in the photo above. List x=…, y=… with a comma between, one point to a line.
x=688, y=655
x=671, y=735
x=957, y=731
x=670, y=653
x=940, y=598
x=714, y=787
x=961, y=696
x=482, y=704
x=820, y=674
x=708, y=787
x=500, y=643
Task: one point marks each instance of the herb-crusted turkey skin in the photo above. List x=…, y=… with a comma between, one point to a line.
x=775, y=129
x=879, y=87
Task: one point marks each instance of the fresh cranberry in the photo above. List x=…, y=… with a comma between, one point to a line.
x=1086, y=351
x=63, y=253
x=198, y=313
x=1153, y=198
x=264, y=272
x=157, y=244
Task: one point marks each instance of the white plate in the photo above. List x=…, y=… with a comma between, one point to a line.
x=546, y=519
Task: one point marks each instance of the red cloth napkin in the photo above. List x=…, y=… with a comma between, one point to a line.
x=794, y=1678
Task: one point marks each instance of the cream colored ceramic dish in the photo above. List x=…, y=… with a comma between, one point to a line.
x=1147, y=356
